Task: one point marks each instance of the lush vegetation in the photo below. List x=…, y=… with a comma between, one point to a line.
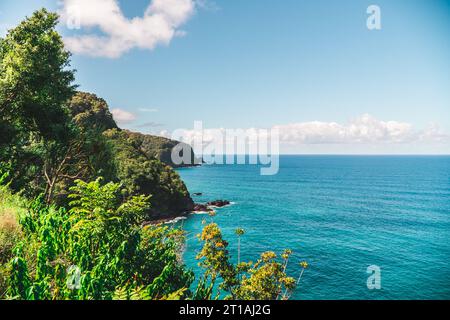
x=98, y=249
x=52, y=135
x=77, y=192
x=142, y=174
x=101, y=239
x=130, y=158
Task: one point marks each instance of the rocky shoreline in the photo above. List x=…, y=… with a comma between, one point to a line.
x=198, y=208
x=210, y=206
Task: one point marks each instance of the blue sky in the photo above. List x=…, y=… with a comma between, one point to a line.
x=253, y=63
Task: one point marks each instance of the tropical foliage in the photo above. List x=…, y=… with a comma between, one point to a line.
x=35, y=84
x=78, y=195
x=99, y=244
x=51, y=135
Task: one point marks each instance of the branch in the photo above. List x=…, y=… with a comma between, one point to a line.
x=77, y=176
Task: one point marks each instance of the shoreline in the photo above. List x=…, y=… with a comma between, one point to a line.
x=185, y=216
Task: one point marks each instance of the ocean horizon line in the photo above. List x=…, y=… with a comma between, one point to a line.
x=343, y=154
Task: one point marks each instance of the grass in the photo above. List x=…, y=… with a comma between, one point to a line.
x=11, y=206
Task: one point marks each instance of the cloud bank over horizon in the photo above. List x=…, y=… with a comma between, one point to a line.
x=363, y=129
x=364, y=134
x=158, y=26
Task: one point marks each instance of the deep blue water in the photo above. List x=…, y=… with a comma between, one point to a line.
x=341, y=214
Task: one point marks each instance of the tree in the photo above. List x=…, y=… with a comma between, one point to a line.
x=51, y=136
x=91, y=113
x=214, y=257
x=35, y=85
x=266, y=279
x=35, y=82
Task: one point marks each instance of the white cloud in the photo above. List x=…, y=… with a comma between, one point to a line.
x=122, y=116
x=362, y=133
x=364, y=129
x=150, y=124
x=148, y=110
x=158, y=26
x=434, y=133
x=208, y=5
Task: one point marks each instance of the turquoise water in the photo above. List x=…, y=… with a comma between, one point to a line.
x=341, y=214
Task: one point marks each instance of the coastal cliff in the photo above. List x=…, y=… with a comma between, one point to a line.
x=142, y=163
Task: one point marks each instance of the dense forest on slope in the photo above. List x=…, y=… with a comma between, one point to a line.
x=49, y=143
x=141, y=162
x=76, y=192
x=90, y=111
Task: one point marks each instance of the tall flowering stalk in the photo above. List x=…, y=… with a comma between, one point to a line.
x=304, y=266
x=239, y=232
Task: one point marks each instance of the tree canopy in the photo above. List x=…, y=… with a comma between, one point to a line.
x=52, y=135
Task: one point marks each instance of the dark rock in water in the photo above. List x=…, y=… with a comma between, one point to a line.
x=197, y=194
x=219, y=203
x=201, y=207
x=208, y=207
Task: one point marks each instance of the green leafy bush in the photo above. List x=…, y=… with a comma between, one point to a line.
x=102, y=237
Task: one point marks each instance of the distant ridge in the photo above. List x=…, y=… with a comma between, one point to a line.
x=141, y=162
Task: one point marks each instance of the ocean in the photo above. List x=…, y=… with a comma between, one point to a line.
x=341, y=214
